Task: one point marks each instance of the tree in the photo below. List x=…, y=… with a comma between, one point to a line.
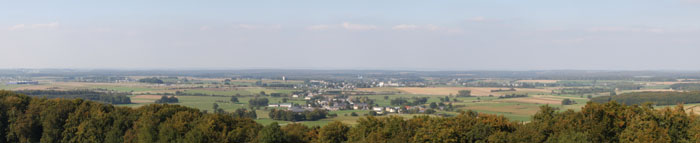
x=464, y=93
x=386, y=97
x=215, y=107
x=373, y=113
x=353, y=114
x=271, y=134
x=153, y=80
x=234, y=99
x=334, y=132
x=566, y=101
x=429, y=111
x=433, y=105
x=296, y=133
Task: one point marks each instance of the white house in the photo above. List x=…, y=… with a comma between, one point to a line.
x=378, y=109
x=295, y=96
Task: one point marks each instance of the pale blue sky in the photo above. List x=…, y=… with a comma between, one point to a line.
x=357, y=34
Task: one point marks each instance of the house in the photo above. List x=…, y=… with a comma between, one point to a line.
x=295, y=96
x=307, y=98
x=285, y=105
x=390, y=110
x=360, y=106
x=378, y=109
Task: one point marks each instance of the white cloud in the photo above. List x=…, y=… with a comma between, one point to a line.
x=204, y=28
x=35, y=26
x=405, y=27
x=320, y=27
x=350, y=26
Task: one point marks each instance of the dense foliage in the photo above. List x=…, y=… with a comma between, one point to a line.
x=287, y=115
x=464, y=93
x=657, y=98
x=686, y=86
x=106, y=97
x=513, y=96
x=584, y=90
x=153, y=80
x=258, y=102
x=167, y=99
x=26, y=119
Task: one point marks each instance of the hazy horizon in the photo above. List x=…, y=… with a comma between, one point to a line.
x=366, y=35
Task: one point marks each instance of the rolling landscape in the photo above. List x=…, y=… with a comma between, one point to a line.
x=360, y=71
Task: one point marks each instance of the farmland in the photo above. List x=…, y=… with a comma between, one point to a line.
x=203, y=92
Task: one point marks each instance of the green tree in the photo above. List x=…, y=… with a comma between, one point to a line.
x=271, y=134
x=334, y=132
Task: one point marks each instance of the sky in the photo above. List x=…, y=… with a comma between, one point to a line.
x=352, y=34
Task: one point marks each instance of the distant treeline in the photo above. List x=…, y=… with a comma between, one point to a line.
x=584, y=90
x=503, y=90
x=657, y=98
x=153, y=80
x=166, y=99
x=513, y=96
x=107, y=97
x=287, y=115
x=686, y=86
x=26, y=119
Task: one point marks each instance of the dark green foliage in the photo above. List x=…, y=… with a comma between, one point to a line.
x=287, y=115
x=686, y=86
x=258, y=102
x=567, y=101
x=112, y=98
x=153, y=80
x=513, y=96
x=464, y=93
x=25, y=119
x=243, y=113
x=234, y=99
x=166, y=99
x=271, y=134
x=657, y=98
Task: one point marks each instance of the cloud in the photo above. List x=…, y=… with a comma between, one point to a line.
x=35, y=26
x=350, y=26
x=320, y=27
x=257, y=27
x=204, y=28
x=405, y=27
